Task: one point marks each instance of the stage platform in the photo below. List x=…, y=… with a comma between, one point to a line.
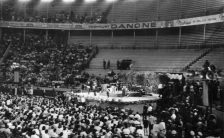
x=117, y=98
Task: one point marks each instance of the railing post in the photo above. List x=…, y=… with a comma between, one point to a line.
x=180, y=33
x=134, y=46
x=204, y=34
x=112, y=39
x=90, y=37
x=156, y=43
x=24, y=35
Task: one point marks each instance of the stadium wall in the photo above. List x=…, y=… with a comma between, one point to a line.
x=200, y=36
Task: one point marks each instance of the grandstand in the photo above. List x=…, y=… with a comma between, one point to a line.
x=158, y=60
x=60, y=67
x=135, y=11
x=216, y=57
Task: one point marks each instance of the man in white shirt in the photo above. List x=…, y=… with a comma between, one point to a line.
x=34, y=135
x=52, y=133
x=45, y=134
x=66, y=133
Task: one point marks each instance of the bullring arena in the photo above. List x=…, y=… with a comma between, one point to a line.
x=111, y=69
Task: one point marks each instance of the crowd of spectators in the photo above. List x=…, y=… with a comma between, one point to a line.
x=26, y=116
x=176, y=119
x=33, y=117
x=9, y=13
x=42, y=61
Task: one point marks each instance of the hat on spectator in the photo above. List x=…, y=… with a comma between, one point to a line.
x=173, y=132
x=192, y=133
x=200, y=134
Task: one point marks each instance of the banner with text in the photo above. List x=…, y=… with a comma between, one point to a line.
x=117, y=26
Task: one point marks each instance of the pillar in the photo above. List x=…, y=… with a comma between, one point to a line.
x=205, y=98
x=112, y=39
x=90, y=37
x=180, y=33
x=134, y=37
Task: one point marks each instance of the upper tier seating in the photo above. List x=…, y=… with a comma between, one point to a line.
x=150, y=60
x=119, y=11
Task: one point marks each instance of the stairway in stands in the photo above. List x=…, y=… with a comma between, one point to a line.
x=214, y=56
x=188, y=66
x=2, y=66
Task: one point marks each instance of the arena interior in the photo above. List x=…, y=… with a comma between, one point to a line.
x=111, y=69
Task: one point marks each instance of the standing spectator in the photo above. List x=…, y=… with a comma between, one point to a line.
x=44, y=92
x=118, y=64
x=104, y=64
x=108, y=64
x=146, y=125
x=145, y=109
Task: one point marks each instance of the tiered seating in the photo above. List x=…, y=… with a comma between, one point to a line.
x=148, y=10
x=148, y=60
x=193, y=8
x=123, y=41
x=215, y=57
x=192, y=36
x=169, y=9
x=123, y=11
x=168, y=38
x=145, y=41
x=85, y=40
x=214, y=34
x=102, y=41
x=214, y=6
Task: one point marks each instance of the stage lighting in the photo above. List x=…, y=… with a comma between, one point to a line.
x=68, y=1
x=90, y=1
x=24, y=0
x=111, y=0
x=46, y=0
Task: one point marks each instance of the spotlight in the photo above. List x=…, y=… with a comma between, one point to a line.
x=90, y=1
x=46, y=1
x=111, y=0
x=24, y=0
x=68, y=1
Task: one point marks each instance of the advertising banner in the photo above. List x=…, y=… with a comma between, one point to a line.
x=199, y=20
x=117, y=26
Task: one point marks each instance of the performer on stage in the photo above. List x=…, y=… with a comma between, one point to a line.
x=123, y=91
x=108, y=92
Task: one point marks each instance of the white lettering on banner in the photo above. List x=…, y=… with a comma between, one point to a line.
x=43, y=25
x=98, y=26
x=199, y=20
x=77, y=27
x=64, y=26
x=143, y=25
